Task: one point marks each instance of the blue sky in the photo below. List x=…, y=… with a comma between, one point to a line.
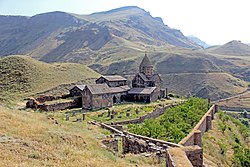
x=214, y=21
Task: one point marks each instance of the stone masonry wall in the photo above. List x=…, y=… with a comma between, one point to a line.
x=58, y=106
x=156, y=113
x=194, y=137
x=39, y=103
x=187, y=153
x=112, y=144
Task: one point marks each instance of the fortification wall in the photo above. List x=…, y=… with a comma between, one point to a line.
x=194, y=137
x=187, y=153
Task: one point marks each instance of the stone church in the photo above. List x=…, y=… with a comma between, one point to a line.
x=111, y=89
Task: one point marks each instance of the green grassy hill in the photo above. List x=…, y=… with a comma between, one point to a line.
x=24, y=75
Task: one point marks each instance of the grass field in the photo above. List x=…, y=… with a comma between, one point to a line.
x=34, y=139
x=22, y=75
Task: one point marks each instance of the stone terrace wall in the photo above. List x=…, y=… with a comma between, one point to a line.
x=194, y=137
x=156, y=113
x=58, y=106
x=38, y=103
x=43, y=99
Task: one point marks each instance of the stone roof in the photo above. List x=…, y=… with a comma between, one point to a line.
x=145, y=62
x=155, y=76
x=142, y=91
x=143, y=77
x=113, y=78
x=125, y=87
x=105, y=89
x=98, y=88
x=80, y=87
x=119, y=89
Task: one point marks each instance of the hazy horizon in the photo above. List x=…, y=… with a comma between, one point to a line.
x=214, y=22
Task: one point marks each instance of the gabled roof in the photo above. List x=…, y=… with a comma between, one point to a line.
x=105, y=89
x=119, y=89
x=155, y=76
x=125, y=87
x=113, y=78
x=80, y=87
x=143, y=77
x=98, y=88
x=142, y=91
x=145, y=62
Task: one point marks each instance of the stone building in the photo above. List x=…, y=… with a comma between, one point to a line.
x=112, y=80
x=97, y=96
x=76, y=90
x=146, y=86
x=111, y=89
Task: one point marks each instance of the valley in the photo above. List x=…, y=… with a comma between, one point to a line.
x=48, y=54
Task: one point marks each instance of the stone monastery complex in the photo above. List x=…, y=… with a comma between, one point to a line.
x=111, y=89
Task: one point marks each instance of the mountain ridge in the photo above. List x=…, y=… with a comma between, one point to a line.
x=234, y=48
x=28, y=35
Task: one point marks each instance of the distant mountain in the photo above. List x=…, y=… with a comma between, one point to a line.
x=59, y=36
x=235, y=48
x=198, y=41
x=114, y=42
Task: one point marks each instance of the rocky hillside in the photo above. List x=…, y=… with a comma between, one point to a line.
x=114, y=42
x=234, y=48
x=59, y=36
x=198, y=41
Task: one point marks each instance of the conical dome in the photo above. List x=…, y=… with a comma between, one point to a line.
x=145, y=62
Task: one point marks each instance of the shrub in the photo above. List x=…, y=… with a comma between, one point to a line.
x=175, y=123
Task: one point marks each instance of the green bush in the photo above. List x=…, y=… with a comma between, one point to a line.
x=175, y=123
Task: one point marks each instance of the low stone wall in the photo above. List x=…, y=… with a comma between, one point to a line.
x=58, y=106
x=134, y=145
x=162, y=143
x=194, y=154
x=187, y=153
x=43, y=99
x=156, y=113
x=112, y=144
x=39, y=103
x=176, y=157
x=110, y=128
x=194, y=137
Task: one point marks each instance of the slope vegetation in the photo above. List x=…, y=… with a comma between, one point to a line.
x=235, y=48
x=32, y=139
x=207, y=85
x=22, y=74
x=228, y=143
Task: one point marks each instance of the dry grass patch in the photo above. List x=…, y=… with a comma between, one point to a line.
x=30, y=139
